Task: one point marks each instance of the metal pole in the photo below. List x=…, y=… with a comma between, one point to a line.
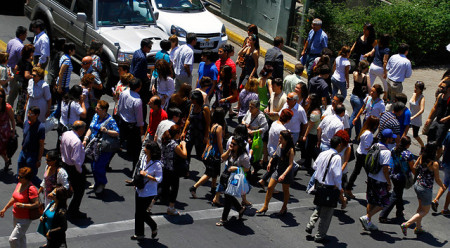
x=306, y=4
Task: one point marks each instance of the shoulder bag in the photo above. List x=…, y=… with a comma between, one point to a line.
x=107, y=142
x=139, y=180
x=326, y=195
x=35, y=213
x=211, y=157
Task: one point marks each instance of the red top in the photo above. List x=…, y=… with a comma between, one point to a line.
x=228, y=62
x=23, y=197
x=154, y=119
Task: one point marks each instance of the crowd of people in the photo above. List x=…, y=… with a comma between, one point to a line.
x=276, y=117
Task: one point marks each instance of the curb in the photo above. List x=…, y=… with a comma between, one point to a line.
x=236, y=38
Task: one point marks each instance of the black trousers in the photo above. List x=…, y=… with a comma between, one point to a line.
x=311, y=151
x=359, y=164
x=228, y=203
x=132, y=134
x=196, y=141
x=141, y=215
x=170, y=185
x=145, y=95
x=396, y=199
x=78, y=182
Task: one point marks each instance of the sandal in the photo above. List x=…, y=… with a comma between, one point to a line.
x=404, y=228
x=221, y=223
x=216, y=204
x=248, y=204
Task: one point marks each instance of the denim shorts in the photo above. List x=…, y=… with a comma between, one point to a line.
x=447, y=177
x=423, y=194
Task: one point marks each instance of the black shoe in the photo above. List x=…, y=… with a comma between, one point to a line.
x=321, y=241
x=129, y=183
x=135, y=237
x=308, y=231
x=109, y=169
x=154, y=233
x=193, y=191
x=434, y=206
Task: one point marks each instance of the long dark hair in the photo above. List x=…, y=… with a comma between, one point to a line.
x=429, y=153
x=315, y=104
x=163, y=68
x=240, y=142
x=371, y=37
x=218, y=117
x=61, y=194
x=227, y=74
x=73, y=94
x=289, y=144
x=241, y=130
x=170, y=134
x=404, y=143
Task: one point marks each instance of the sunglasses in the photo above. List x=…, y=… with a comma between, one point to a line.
x=233, y=144
x=290, y=98
x=34, y=75
x=85, y=63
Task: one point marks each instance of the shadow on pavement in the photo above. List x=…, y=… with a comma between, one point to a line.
x=288, y=219
x=343, y=218
x=382, y=236
x=184, y=219
x=151, y=243
x=429, y=239
x=331, y=241
x=107, y=196
x=81, y=223
x=238, y=227
x=8, y=177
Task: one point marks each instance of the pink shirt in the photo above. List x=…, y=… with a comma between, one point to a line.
x=23, y=197
x=72, y=151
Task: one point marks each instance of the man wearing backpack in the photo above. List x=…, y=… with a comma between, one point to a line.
x=378, y=181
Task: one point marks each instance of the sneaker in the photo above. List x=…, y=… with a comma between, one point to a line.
x=434, y=205
x=364, y=222
x=404, y=228
x=445, y=212
x=372, y=227
x=92, y=186
x=172, y=211
x=308, y=230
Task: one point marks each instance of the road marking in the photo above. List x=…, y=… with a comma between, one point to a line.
x=2, y=46
x=127, y=225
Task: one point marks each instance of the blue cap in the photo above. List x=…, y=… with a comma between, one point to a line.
x=387, y=133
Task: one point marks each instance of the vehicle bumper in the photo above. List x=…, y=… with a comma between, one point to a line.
x=215, y=43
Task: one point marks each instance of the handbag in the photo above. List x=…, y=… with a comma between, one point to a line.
x=236, y=184
x=12, y=145
x=139, y=180
x=257, y=146
x=50, y=123
x=61, y=127
x=35, y=213
x=107, y=142
x=326, y=195
x=410, y=180
x=211, y=157
x=352, y=154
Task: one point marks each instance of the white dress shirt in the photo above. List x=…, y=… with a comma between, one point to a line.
x=299, y=118
x=130, y=107
x=184, y=56
x=399, y=68
x=330, y=125
x=345, y=119
x=334, y=175
x=42, y=47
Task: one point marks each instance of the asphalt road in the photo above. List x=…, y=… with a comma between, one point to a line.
x=110, y=220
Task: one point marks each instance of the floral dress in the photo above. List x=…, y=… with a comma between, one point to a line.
x=5, y=129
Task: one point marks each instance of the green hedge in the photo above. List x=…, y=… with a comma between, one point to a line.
x=423, y=24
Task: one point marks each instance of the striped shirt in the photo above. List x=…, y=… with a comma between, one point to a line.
x=65, y=60
x=389, y=121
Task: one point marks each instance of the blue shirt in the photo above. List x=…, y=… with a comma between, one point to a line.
x=65, y=60
x=205, y=70
x=160, y=55
x=14, y=48
x=96, y=125
x=379, y=54
x=399, y=68
x=139, y=65
x=319, y=43
x=404, y=120
x=32, y=135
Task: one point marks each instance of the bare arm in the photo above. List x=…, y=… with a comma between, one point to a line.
x=422, y=108
x=12, y=120
x=180, y=150
x=319, y=136
x=8, y=205
x=347, y=70
x=436, y=175
x=255, y=56
x=369, y=54
x=219, y=135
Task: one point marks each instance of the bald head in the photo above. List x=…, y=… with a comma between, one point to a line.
x=79, y=127
x=86, y=62
x=292, y=99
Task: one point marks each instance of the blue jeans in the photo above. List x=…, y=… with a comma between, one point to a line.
x=29, y=159
x=357, y=104
x=342, y=86
x=99, y=168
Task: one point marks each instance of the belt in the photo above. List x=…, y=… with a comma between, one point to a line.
x=394, y=81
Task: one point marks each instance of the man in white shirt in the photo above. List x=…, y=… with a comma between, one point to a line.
x=173, y=115
x=379, y=183
x=332, y=178
x=399, y=68
x=329, y=126
x=184, y=62
x=41, y=44
x=337, y=99
x=299, y=116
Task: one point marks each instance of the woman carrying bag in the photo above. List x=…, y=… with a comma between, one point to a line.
x=101, y=124
x=24, y=201
x=54, y=221
x=238, y=158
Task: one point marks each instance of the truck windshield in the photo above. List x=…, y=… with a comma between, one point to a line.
x=179, y=5
x=124, y=12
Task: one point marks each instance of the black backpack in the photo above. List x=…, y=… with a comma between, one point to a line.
x=372, y=161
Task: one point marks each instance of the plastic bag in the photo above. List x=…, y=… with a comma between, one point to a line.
x=237, y=184
x=257, y=146
x=50, y=123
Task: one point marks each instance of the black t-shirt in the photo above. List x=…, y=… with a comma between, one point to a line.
x=24, y=66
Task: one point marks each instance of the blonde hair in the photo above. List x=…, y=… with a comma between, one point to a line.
x=39, y=71
x=3, y=57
